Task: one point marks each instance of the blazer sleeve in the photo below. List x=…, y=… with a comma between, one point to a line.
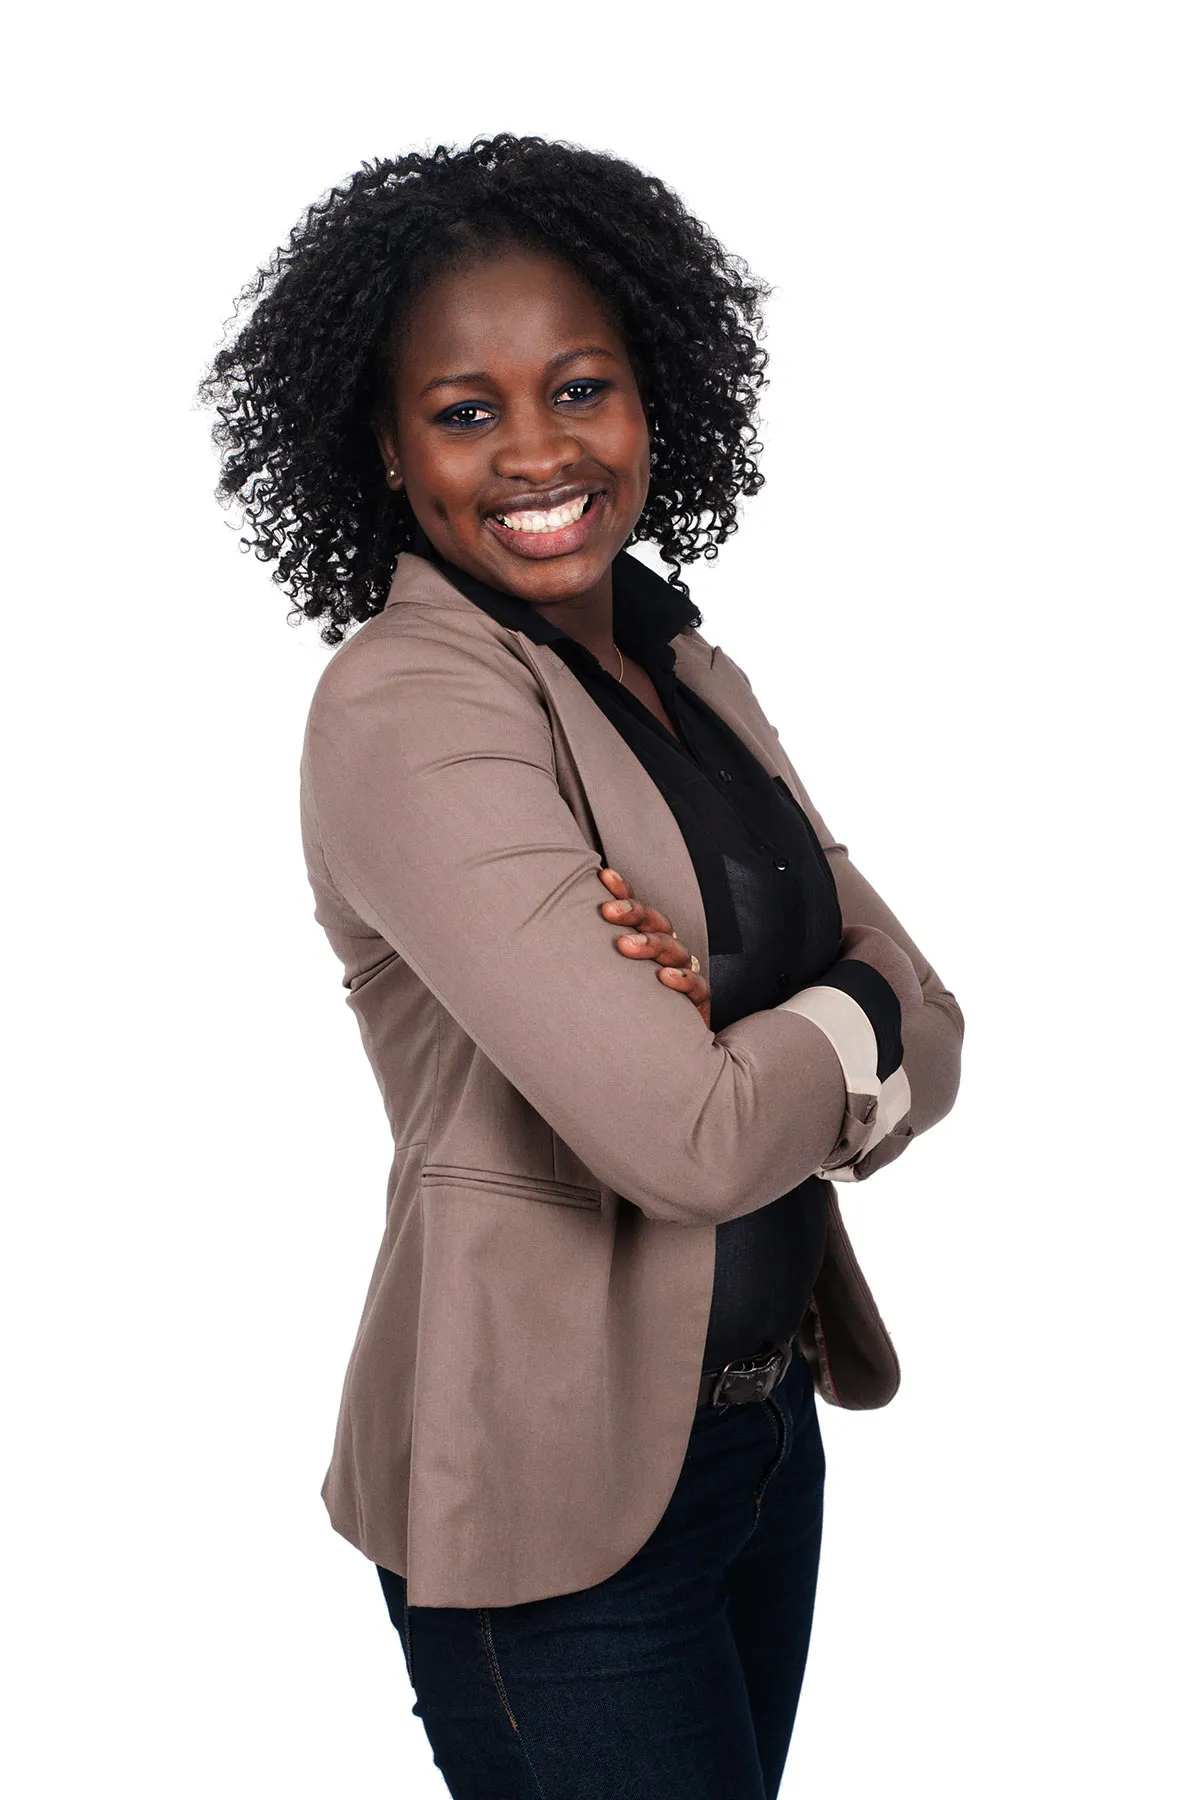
x=923, y=1089
x=428, y=787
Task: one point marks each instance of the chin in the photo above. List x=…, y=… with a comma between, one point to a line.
x=561, y=578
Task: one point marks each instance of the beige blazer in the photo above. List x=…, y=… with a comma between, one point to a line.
x=568, y=1132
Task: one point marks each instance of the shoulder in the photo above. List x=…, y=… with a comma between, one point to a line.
x=420, y=686
x=418, y=645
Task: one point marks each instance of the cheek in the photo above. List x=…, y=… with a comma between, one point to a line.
x=641, y=458
x=445, y=469
x=629, y=443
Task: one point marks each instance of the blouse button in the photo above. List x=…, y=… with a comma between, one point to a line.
x=781, y=862
x=724, y=774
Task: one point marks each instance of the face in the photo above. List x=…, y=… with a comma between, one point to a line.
x=519, y=432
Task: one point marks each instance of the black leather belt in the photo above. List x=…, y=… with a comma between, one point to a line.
x=752, y=1378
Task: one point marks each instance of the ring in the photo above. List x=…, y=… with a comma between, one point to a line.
x=695, y=963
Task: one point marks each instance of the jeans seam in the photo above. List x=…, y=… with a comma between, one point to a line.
x=489, y=1649
x=489, y=1646
x=781, y=1442
x=407, y=1634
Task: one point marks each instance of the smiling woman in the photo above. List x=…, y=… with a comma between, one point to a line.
x=542, y=453
x=308, y=385
x=578, y=1433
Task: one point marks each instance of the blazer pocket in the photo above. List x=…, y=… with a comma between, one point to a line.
x=520, y=1187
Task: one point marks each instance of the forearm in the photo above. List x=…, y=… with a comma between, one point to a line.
x=932, y=1032
x=932, y=1060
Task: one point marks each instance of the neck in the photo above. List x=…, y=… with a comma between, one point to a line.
x=587, y=617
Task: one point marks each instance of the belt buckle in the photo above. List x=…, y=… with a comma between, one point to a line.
x=753, y=1377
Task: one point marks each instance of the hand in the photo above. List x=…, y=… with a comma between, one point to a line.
x=660, y=947
x=866, y=943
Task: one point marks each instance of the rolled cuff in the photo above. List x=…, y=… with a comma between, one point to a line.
x=891, y=1121
x=881, y=1003
x=874, y=1108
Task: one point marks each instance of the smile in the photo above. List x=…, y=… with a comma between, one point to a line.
x=547, y=521
x=557, y=532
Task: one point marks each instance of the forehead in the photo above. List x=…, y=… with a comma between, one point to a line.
x=516, y=309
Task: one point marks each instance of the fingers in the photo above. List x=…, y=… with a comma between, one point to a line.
x=638, y=918
x=684, y=982
x=657, y=946
x=648, y=936
x=623, y=909
x=676, y=971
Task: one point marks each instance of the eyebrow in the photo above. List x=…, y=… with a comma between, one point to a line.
x=481, y=375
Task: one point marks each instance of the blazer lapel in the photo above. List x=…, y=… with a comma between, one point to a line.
x=706, y=669
x=633, y=828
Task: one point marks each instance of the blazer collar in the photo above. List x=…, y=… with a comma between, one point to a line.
x=704, y=667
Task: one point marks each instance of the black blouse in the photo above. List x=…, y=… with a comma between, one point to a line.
x=771, y=910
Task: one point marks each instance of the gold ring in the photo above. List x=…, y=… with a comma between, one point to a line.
x=695, y=963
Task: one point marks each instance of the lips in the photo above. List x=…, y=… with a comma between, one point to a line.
x=537, y=531
x=544, y=499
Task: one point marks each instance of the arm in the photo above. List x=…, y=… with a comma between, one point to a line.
x=856, y=1004
x=859, y=1002
x=428, y=788
x=923, y=1090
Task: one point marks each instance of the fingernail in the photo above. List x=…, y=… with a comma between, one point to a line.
x=622, y=905
x=635, y=937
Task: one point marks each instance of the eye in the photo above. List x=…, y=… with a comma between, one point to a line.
x=451, y=415
x=573, y=387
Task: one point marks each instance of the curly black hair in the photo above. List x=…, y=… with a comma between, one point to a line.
x=298, y=389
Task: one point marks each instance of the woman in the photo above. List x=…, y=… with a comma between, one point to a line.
x=578, y=1434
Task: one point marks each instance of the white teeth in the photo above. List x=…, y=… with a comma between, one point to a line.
x=545, y=521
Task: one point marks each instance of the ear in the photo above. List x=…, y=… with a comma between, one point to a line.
x=385, y=437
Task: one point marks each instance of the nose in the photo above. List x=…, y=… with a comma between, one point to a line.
x=535, y=444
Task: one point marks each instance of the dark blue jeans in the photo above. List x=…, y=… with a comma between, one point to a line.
x=678, y=1677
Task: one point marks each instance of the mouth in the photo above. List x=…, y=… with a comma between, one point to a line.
x=556, y=532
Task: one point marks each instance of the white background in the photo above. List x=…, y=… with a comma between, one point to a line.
x=977, y=543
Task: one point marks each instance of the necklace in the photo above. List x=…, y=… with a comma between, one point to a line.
x=621, y=676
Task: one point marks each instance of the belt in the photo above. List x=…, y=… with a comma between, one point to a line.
x=750, y=1378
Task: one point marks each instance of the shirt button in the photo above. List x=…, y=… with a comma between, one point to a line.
x=781, y=862
x=724, y=774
